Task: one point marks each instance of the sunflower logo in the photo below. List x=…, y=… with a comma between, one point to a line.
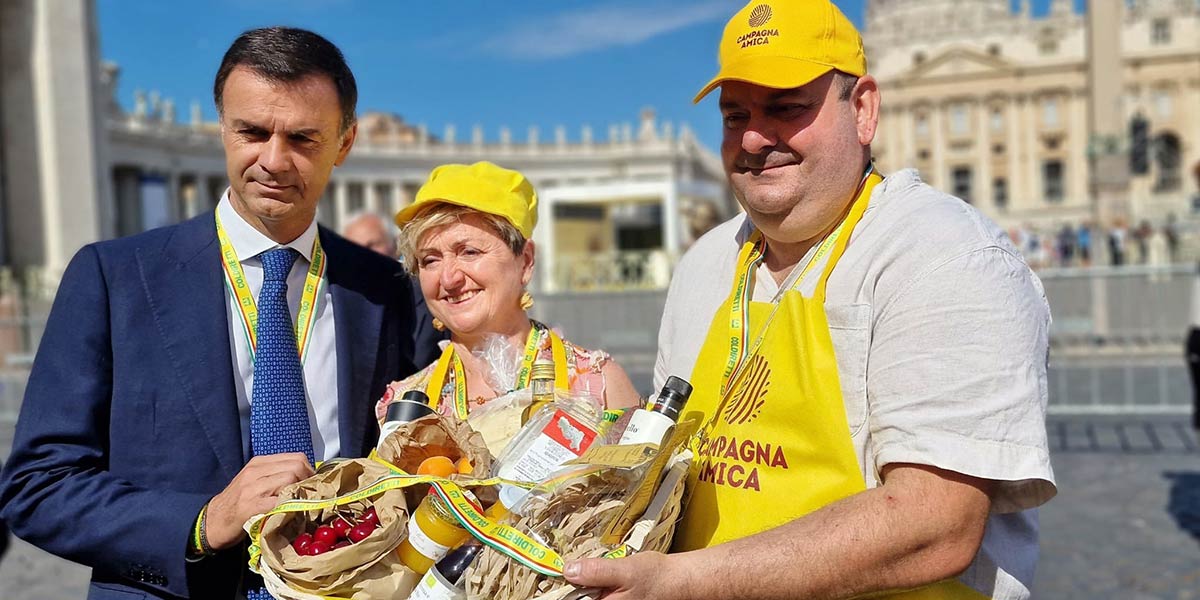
x=748, y=400
x=760, y=15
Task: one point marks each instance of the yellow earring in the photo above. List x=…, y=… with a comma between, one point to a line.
x=526, y=301
x=438, y=324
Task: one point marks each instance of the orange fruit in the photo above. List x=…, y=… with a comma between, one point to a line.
x=464, y=466
x=438, y=466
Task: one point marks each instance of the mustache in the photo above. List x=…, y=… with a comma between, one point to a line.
x=764, y=160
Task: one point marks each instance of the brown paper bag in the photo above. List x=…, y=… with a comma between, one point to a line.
x=369, y=568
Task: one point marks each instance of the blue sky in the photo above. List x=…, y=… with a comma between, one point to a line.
x=516, y=63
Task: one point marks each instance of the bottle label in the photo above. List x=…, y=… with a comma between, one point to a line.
x=423, y=543
x=435, y=587
x=646, y=428
x=562, y=439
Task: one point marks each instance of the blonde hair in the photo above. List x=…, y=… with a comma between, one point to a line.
x=440, y=214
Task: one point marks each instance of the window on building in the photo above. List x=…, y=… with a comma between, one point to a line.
x=997, y=148
x=1000, y=193
x=1166, y=155
x=1047, y=47
x=993, y=49
x=922, y=125
x=997, y=120
x=918, y=58
x=1162, y=103
x=1050, y=113
x=1160, y=32
x=961, y=182
x=1052, y=181
x=958, y=119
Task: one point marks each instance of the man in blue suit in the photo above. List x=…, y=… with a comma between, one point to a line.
x=186, y=374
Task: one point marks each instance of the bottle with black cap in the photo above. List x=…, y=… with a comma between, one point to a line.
x=413, y=405
x=650, y=424
x=446, y=579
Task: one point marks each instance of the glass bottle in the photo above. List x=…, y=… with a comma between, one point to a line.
x=413, y=405
x=432, y=532
x=447, y=579
x=651, y=424
x=553, y=436
x=541, y=387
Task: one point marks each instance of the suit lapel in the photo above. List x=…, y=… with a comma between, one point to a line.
x=357, y=322
x=184, y=285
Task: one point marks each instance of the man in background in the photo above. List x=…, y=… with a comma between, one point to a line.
x=373, y=232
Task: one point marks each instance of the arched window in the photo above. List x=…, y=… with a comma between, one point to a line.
x=1166, y=156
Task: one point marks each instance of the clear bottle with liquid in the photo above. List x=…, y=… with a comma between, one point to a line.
x=541, y=387
x=554, y=435
x=446, y=580
x=651, y=424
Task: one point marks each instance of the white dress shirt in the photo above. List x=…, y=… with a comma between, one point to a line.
x=320, y=367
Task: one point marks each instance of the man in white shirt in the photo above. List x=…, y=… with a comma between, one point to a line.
x=149, y=432
x=868, y=356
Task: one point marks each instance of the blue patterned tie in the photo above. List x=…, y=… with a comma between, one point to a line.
x=278, y=410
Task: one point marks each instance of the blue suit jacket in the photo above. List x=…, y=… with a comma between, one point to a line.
x=130, y=422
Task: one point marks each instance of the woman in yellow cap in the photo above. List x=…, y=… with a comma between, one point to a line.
x=466, y=238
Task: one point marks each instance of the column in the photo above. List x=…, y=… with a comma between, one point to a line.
x=937, y=137
x=341, y=204
x=175, y=208
x=1016, y=177
x=908, y=145
x=543, y=237
x=670, y=209
x=371, y=200
x=983, y=160
x=1077, y=159
x=399, y=199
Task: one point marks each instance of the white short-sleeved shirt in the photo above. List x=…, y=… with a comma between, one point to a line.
x=941, y=335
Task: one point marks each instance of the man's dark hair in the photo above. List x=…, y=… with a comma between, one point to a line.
x=287, y=54
x=845, y=84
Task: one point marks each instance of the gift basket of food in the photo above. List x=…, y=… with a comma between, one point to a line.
x=489, y=507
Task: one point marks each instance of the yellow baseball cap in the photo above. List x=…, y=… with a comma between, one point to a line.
x=785, y=44
x=482, y=186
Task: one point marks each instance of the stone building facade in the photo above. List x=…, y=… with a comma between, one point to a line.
x=1016, y=113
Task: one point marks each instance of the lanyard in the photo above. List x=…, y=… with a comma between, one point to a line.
x=749, y=258
x=235, y=280
x=450, y=362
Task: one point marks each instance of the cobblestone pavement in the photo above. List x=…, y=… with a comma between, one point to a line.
x=1125, y=524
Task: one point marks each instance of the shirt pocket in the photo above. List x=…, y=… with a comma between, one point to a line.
x=850, y=330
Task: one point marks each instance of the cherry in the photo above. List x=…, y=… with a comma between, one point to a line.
x=325, y=534
x=369, y=516
x=341, y=526
x=316, y=548
x=361, y=531
x=301, y=543
x=340, y=544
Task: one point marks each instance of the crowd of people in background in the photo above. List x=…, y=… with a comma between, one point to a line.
x=1085, y=244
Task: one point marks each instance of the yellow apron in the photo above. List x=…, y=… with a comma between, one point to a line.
x=777, y=443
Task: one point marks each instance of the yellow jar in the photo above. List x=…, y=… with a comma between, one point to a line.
x=432, y=532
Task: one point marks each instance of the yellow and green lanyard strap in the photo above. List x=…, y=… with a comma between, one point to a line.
x=749, y=258
x=235, y=279
x=449, y=361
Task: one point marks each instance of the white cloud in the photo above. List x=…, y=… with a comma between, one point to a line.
x=599, y=27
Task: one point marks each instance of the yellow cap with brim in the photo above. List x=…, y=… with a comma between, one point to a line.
x=785, y=44
x=482, y=186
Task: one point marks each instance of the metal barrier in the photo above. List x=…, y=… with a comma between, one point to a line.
x=1116, y=341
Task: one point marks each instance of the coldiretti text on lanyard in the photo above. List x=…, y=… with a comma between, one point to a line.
x=235, y=278
x=749, y=258
x=449, y=360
